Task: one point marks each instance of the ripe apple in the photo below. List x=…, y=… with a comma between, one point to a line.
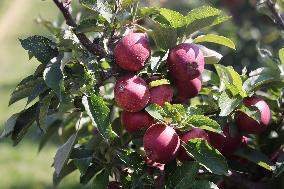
x=249, y=125
x=161, y=94
x=134, y=121
x=193, y=133
x=226, y=144
x=188, y=89
x=132, y=51
x=186, y=62
x=131, y=93
x=161, y=143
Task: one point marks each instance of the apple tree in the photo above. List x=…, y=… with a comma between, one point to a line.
x=138, y=98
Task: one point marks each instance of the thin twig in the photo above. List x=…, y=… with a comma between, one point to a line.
x=278, y=19
x=92, y=48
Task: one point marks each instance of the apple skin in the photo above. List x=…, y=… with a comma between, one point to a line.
x=134, y=121
x=193, y=133
x=186, y=62
x=226, y=144
x=131, y=93
x=161, y=94
x=132, y=51
x=113, y=185
x=247, y=124
x=161, y=143
x=188, y=89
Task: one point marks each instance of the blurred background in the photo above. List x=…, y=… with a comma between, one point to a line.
x=23, y=167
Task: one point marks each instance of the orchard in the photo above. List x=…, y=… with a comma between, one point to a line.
x=140, y=98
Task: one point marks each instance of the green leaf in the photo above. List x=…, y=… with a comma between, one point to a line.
x=155, y=111
x=90, y=25
x=227, y=103
x=101, y=180
x=126, y=3
x=205, y=123
x=91, y=171
x=257, y=157
x=164, y=37
x=212, y=38
x=100, y=115
x=83, y=164
x=25, y=89
x=200, y=18
x=211, y=56
x=203, y=184
x=40, y=47
x=37, y=90
x=230, y=80
x=53, y=76
x=66, y=170
x=174, y=113
x=43, y=110
x=24, y=121
x=281, y=55
x=210, y=77
x=183, y=175
x=9, y=125
x=63, y=153
x=159, y=82
x=207, y=156
x=252, y=112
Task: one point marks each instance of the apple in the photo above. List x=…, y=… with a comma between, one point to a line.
x=161, y=94
x=134, y=121
x=226, y=144
x=188, y=89
x=193, y=133
x=161, y=143
x=132, y=51
x=247, y=124
x=186, y=62
x=131, y=93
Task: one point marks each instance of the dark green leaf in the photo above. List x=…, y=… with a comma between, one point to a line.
x=227, y=103
x=40, y=47
x=207, y=156
x=257, y=157
x=43, y=110
x=183, y=175
x=82, y=164
x=37, y=90
x=63, y=153
x=90, y=25
x=53, y=76
x=100, y=115
x=203, y=184
x=91, y=171
x=101, y=180
x=10, y=125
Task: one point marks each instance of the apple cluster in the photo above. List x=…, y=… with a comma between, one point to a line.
x=162, y=143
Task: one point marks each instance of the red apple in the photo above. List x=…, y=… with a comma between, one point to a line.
x=161, y=94
x=188, y=89
x=186, y=62
x=132, y=51
x=134, y=121
x=131, y=93
x=161, y=143
x=249, y=125
x=193, y=133
x=226, y=144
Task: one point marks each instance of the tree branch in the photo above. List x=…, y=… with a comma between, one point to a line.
x=92, y=48
x=278, y=19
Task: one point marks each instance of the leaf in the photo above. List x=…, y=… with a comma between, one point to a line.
x=205, y=123
x=66, y=170
x=207, y=156
x=63, y=153
x=101, y=180
x=211, y=56
x=159, y=82
x=9, y=125
x=231, y=80
x=281, y=55
x=53, y=76
x=126, y=3
x=50, y=130
x=212, y=38
x=90, y=173
x=37, y=90
x=82, y=164
x=279, y=166
x=100, y=115
x=24, y=89
x=227, y=103
x=164, y=37
x=203, y=184
x=257, y=157
x=210, y=77
x=90, y=25
x=24, y=121
x=252, y=112
x=200, y=18
x=40, y=47
x=183, y=175
x=155, y=111
x=43, y=110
